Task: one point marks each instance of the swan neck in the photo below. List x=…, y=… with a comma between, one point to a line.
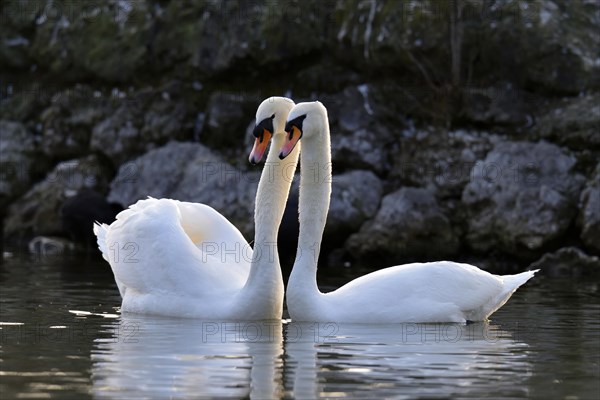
x=273, y=190
x=315, y=192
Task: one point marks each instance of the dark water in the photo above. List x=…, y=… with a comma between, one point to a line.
x=62, y=337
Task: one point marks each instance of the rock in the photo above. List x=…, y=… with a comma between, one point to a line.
x=573, y=122
x=67, y=123
x=67, y=41
x=358, y=138
x=222, y=186
x=589, y=212
x=439, y=159
x=17, y=155
x=36, y=213
x=16, y=34
x=380, y=67
x=325, y=77
x=214, y=38
x=545, y=47
x=189, y=172
x=140, y=123
x=501, y=105
x=227, y=118
x=408, y=226
x=23, y=104
x=118, y=136
x=14, y=48
x=355, y=198
x=521, y=198
x=360, y=150
x=293, y=31
x=567, y=262
x=165, y=119
x=204, y=35
x=370, y=34
x=158, y=172
x=561, y=46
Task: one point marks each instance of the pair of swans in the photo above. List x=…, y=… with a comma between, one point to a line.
x=180, y=262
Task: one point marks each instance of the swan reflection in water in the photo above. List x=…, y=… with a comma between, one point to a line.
x=174, y=358
x=409, y=359
x=266, y=359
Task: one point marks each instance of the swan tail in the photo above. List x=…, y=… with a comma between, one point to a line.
x=100, y=231
x=510, y=284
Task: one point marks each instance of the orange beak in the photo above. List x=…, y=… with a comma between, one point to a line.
x=260, y=146
x=290, y=142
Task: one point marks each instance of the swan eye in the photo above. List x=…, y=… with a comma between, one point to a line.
x=257, y=131
x=294, y=123
x=264, y=125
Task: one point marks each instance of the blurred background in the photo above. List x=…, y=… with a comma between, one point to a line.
x=465, y=130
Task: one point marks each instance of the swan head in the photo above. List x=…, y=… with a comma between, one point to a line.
x=305, y=121
x=271, y=116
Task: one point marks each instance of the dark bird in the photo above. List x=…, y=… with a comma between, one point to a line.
x=78, y=214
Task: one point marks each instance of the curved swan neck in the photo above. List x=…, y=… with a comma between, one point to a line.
x=315, y=192
x=273, y=190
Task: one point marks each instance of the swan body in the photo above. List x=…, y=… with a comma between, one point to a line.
x=441, y=291
x=185, y=259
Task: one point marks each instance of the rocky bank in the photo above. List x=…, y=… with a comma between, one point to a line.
x=464, y=130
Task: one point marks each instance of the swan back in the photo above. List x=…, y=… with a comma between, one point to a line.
x=442, y=291
x=151, y=251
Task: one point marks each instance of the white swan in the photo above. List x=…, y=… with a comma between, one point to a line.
x=185, y=259
x=441, y=291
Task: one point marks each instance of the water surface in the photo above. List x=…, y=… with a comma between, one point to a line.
x=62, y=336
